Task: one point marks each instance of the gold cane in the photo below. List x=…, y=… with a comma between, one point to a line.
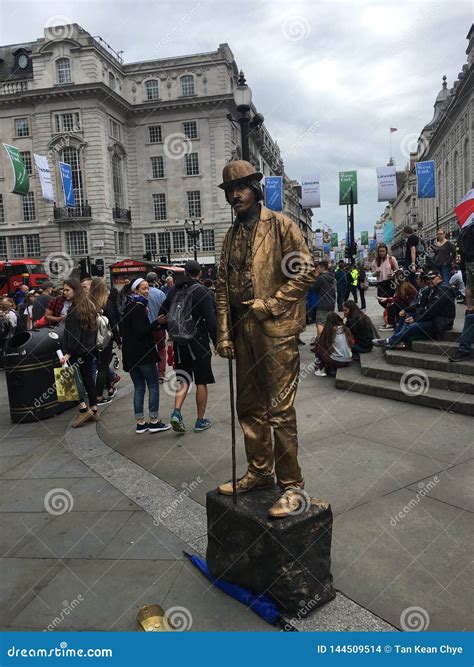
x=232, y=422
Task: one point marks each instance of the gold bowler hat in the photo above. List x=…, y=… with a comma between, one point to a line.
x=238, y=170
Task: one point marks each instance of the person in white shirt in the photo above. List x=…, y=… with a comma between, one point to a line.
x=457, y=282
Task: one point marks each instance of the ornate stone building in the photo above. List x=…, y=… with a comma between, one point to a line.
x=147, y=142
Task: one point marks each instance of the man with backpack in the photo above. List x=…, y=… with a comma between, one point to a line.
x=189, y=314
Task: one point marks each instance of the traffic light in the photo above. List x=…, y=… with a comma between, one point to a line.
x=147, y=256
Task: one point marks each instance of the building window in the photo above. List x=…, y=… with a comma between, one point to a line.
x=33, y=245
x=152, y=90
x=117, y=182
x=194, y=204
x=63, y=70
x=192, y=164
x=164, y=243
x=3, y=248
x=22, y=127
x=466, y=161
x=120, y=243
x=187, y=85
x=179, y=241
x=71, y=156
x=155, y=134
x=456, y=179
x=67, y=122
x=208, y=242
x=29, y=210
x=76, y=243
x=150, y=243
x=157, y=167
x=26, y=157
x=112, y=81
x=114, y=129
x=2, y=210
x=159, y=206
x=17, y=248
x=190, y=129
x=447, y=190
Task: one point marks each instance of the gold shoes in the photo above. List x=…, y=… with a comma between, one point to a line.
x=249, y=482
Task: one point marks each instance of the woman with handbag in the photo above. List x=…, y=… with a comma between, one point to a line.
x=99, y=294
x=79, y=342
x=384, y=268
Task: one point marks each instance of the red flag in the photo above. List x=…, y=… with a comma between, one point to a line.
x=465, y=209
x=393, y=129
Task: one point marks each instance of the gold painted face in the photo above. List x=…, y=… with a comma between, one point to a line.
x=240, y=197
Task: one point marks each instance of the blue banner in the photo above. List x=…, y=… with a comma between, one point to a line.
x=206, y=649
x=326, y=248
x=274, y=193
x=425, y=178
x=372, y=243
x=68, y=186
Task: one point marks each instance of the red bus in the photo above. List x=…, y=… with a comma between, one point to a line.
x=16, y=272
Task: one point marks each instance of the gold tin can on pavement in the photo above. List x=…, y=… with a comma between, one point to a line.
x=151, y=618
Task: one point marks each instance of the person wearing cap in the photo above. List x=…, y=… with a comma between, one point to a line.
x=139, y=357
x=432, y=315
x=193, y=359
x=155, y=300
x=265, y=271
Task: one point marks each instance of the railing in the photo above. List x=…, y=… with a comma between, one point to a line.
x=13, y=87
x=122, y=214
x=66, y=213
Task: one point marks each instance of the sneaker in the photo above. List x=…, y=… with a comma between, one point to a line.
x=387, y=327
x=460, y=356
x=142, y=428
x=202, y=424
x=156, y=427
x=116, y=379
x=102, y=401
x=380, y=342
x=176, y=421
x=111, y=393
x=320, y=373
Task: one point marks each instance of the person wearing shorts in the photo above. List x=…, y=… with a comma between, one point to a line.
x=193, y=359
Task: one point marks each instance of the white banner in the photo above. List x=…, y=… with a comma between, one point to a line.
x=379, y=235
x=387, y=183
x=318, y=239
x=46, y=181
x=310, y=194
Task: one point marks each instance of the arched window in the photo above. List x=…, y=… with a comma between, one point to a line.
x=456, y=179
x=63, y=70
x=440, y=189
x=187, y=85
x=117, y=181
x=466, y=167
x=447, y=189
x=71, y=156
x=152, y=90
x=112, y=81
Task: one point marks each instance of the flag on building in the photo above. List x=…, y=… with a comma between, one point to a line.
x=465, y=210
x=41, y=162
x=21, y=186
x=68, y=186
x=393, y=129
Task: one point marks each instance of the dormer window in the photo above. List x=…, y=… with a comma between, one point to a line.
x=152, y=90
x=187, y=85
x=63, y=70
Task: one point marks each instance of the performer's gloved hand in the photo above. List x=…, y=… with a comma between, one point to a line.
x=258, y=309
x=225, y=349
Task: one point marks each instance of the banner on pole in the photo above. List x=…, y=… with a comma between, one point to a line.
x=386, y=183
x=68, y=186
x=334, y=239
x=347, y=180
x=318, y=239
x=425, y=179
x=379, y=235
x=41, y=162
x=372, y=243
x=310, y=192
x=21, y=185
x=326, y=248
x=274, y=193
x=364, y=238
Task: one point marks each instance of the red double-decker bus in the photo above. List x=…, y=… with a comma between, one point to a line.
x=16, y=272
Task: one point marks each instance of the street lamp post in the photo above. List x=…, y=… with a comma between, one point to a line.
x=193, y=233
x=243, y=100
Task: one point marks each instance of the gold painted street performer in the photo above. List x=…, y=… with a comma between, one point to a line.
x=264, y=273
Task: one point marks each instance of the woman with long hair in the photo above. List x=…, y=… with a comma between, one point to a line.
x=361, y=327
x=384, y=267
x=99, y=295
x=140, y=357
x=333, y=346
x=404, y=295
x=79, y=342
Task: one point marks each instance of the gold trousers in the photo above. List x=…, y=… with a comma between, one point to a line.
x=267, y=379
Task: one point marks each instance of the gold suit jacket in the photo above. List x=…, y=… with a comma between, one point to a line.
x=282, y=269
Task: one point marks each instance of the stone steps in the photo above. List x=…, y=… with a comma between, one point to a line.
x=429, y=362
x=352, y=379
x=439, y=347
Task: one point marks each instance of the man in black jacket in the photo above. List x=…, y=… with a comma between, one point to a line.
x=193, y=359
x=433, y=314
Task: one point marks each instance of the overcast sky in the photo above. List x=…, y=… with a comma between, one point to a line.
x=329, y=77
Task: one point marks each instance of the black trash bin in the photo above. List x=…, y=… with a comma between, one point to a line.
x=29, y=360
